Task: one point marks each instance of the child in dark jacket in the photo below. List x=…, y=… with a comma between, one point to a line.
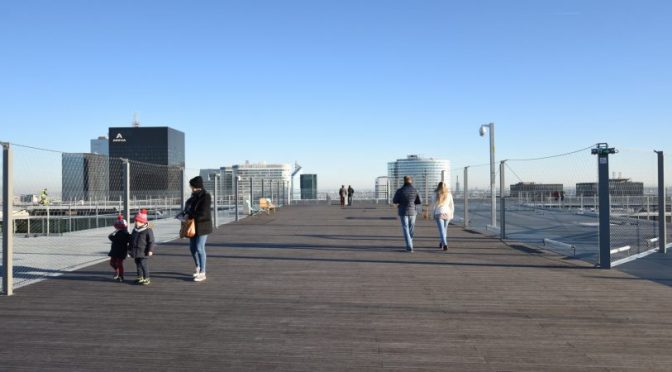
x=119, y=250
x=142, y=246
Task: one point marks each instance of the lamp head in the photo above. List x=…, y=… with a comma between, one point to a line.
x=482, y=131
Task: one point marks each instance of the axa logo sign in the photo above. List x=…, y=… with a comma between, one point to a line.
x=119, y=138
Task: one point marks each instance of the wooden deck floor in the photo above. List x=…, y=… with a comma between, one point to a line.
x=321, y=288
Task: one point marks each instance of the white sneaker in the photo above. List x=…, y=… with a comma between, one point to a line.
x=197, y=272
x=200, y=277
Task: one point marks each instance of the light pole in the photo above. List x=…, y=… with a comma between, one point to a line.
x=491, y=128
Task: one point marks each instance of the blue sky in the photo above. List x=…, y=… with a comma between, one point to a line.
x=342, y=87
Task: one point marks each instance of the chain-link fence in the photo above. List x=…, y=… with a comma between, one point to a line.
x=633, y=189
x=553, y=202
x=64, y=206
x=2, y=207
x=547, y=203
x=668, y=192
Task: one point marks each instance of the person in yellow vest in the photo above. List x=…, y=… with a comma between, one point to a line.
x=44, y=200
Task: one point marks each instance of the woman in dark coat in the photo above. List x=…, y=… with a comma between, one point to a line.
x=197, y=208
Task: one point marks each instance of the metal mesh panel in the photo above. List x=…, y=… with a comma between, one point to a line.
x=2, y=202
x=551, y=202
x=633, y=190
x=62, y=207
x=668, y=194
x=480, y=201
x=66, y=203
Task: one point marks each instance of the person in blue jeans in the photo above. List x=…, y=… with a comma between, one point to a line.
x=406, y=198
x=443, y=212
x=198, y=208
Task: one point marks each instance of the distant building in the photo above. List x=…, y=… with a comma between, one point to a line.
x=84, y=177
x=535, y=190
x=225, y=182
x=262, y=180
x=100, y=146
x=156, y=155
x=29, y=198
x=209, y=179
x=308, y=186
x=617, y=187
x=381, y=188
x=426, y=173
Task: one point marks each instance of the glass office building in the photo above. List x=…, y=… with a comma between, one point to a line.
x=308, y=186
x=100, y=146
x=224, y=184
x=84, y=177
x=156, y=155
x=426, y=173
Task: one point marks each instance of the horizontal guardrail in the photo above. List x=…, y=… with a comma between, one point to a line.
x=621, y=249
x=550, y=243
x=651, y=243
x=494, y=229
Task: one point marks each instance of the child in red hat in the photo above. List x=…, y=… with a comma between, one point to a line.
x=119, y=250
x=142, y=246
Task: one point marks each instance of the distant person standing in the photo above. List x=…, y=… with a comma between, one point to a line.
x=343, y=193
x=443, y=211
x=351, y=191
x=406, y=198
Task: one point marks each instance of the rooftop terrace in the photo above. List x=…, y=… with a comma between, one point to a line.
x=323, y=288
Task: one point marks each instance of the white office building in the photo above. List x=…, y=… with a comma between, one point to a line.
x=262, y=180
x=426, y=173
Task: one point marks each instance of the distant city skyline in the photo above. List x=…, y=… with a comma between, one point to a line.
x=344, y=88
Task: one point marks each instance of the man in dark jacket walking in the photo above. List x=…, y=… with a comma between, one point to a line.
x=406, y=198
x=351, y=191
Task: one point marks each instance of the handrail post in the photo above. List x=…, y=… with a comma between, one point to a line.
x=7, y=220
x=662, y=210
x=603, y=151
x=466, y=197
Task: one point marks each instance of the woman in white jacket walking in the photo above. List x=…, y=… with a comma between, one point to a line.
x=444, y=208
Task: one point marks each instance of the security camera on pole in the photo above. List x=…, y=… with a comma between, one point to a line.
x=491, y=128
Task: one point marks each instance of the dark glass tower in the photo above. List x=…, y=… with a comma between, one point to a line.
x=156, y=155
x=308, y=186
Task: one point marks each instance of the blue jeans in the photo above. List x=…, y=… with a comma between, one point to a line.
x=197, y=247
x=443, y=226
x=408, y=228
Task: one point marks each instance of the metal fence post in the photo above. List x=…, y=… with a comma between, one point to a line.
x=216, y=194
x=662, y=218
x=502, y=199
x=236, y=180
x=426, y=191
x=603, y=151
x=7, y=220
x=387, y=191
x=251, y=194
x=466, y=197
x=182, y=190
x=127, y=189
